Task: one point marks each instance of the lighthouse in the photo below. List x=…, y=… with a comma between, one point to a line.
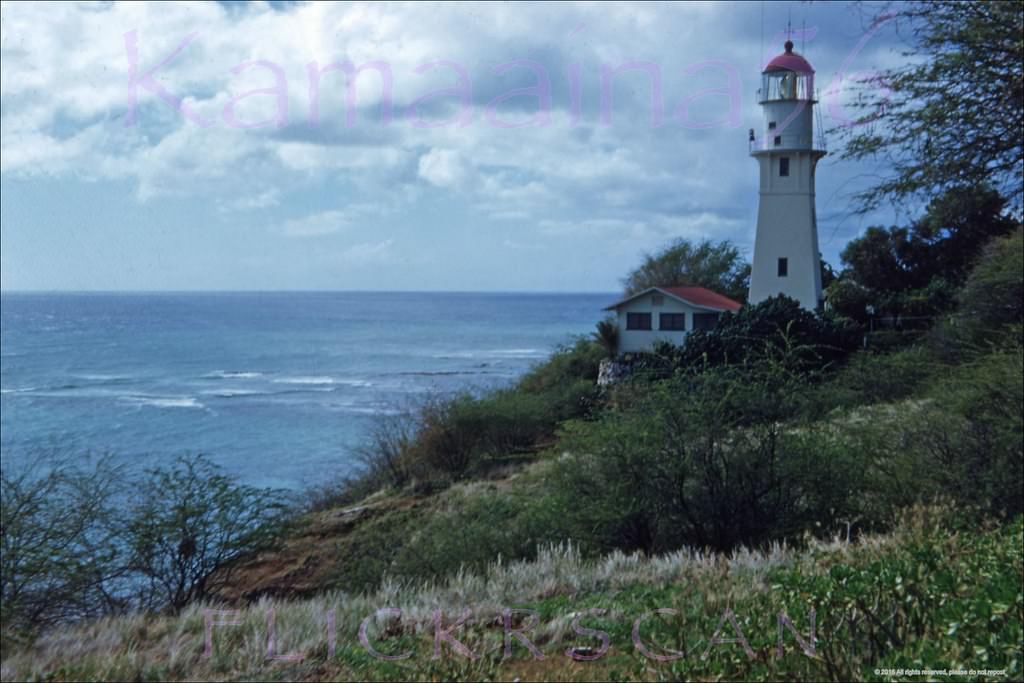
x=786, y=259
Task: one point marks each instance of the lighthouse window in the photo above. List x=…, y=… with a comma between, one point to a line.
x=771, y=125
x=783, y=267
x=778, y=140
x=783, y=166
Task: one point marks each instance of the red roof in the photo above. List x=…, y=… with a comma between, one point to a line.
x=789, y=61
x=699, y=296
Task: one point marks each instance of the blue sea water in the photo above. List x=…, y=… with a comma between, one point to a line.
x=278, y=388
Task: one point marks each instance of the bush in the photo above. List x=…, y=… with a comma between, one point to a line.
x=990, y=313
x=994, y=294
x=704, y=460
x=84, y=539
x=869, y=377
x=468, y=526
x=444, y=439
x=189, y=523
x=484, y=527
x=464, y=434
x=948, y=592
x=60, y=556
x=777, y=325
x=962, y=439
x=775, y=330
x=973, y=435
x=569, y=364
x=607, y=335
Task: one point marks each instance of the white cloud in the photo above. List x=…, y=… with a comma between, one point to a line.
x=170, y=155
x=369, y=253
x=324, y=223
x=335, y=220
x=531, y=246
x=442, y=167
x=65, y=99
x=252, y=202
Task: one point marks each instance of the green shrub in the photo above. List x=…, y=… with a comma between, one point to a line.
x=86, y=538
x=367, y=554
x=937, y=599
x=483, y=527
x=869, y=377
x=775, y=327
x=58, y=533
x=188, y=524
x=460, y=435
x=994, y=293
x=962, y=439
x=706, y=460
x=450, y=438
x=990, y=313
x=468, y=526
x=569, y=364
x=974, y=434
x=937, y=596
x=607, y=335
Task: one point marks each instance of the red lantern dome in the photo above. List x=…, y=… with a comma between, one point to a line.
x=789, y=61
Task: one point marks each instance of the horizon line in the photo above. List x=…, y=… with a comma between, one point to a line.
x=301, y=291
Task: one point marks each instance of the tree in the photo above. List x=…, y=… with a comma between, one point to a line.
x=955, y=228
x=916, y=269
x=60, y=553
x=189, y=524
x=83, y=538
x=990, y=311
x=951, y=114
x=879, y=260
x=607, y=335
x=717, y=266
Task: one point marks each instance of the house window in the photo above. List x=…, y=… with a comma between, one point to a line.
x=705, y=321
x=783, y=166
x=771, y=125
x=778, y=140
x=657, y=299
x=672, y=321
x=783, y=267
x=638, y=321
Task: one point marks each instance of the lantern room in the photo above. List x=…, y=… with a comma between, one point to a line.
x=787, y=103
x=787, y=77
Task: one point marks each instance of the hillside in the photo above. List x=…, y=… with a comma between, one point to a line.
x=769, y=465
x=914, y=598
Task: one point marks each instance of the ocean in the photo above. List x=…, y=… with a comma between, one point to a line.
x=278, y=388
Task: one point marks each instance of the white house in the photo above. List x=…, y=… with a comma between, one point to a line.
x=786, y=259
x=667, y=314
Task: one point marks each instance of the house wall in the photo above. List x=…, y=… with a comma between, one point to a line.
x=643, y=340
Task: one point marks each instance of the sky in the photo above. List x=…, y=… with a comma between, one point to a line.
x=484, y=147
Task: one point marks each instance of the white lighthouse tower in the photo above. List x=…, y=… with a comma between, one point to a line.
x=786, y=259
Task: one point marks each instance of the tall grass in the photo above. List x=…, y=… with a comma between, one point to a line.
x=916, y=594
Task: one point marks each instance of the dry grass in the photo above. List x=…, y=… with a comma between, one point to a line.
x=151, y=647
